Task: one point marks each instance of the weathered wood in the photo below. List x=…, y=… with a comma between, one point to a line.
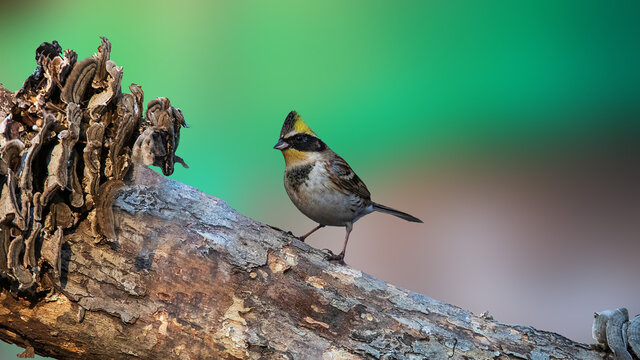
x=190, y=278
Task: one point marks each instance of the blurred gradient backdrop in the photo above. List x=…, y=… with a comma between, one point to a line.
x=510, y=127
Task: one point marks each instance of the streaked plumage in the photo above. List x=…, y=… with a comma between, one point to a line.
x=321, y=184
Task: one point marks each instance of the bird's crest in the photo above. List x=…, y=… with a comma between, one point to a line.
x=294, y=123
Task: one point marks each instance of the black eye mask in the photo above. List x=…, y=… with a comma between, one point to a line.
x=305, y=142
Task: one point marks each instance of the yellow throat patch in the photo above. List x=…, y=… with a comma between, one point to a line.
x=294, y=157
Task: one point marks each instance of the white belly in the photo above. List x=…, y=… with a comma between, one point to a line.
x=318, y=199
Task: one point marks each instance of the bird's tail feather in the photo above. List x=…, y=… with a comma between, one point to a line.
x=394, y=212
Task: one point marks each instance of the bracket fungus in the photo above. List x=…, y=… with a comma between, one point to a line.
x=157, y=145
x=66, y=148
x=613, y=330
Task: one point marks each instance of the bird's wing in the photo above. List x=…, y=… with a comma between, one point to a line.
x=345, y=179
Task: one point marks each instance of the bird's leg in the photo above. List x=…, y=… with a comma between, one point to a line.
x=320, y=226
x=340, y=257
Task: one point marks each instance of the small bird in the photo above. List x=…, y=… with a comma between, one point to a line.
x=321, y=184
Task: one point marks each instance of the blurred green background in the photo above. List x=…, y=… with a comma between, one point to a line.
x=399, y=89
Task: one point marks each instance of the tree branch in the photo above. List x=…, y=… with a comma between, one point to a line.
x=190, y=278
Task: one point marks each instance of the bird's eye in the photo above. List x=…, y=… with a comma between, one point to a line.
x=300, y=138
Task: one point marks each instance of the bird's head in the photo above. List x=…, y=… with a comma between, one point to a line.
x=297, y=141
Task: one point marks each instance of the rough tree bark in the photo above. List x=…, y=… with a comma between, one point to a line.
x=190, y=278
x=126, y=263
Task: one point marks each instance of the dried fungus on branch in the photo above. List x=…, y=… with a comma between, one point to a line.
x=613, y=330
x=66, y=147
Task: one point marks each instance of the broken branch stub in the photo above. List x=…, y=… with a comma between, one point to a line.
x=66, y=145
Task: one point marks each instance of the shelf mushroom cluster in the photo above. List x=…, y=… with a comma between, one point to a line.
x=613, y=330
x=68, y=140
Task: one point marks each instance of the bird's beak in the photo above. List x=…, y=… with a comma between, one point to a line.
x=281, y=145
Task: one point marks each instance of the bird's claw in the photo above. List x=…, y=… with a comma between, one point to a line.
x=330, y=256
x=301, y=238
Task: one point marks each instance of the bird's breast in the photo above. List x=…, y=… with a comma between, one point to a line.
x=311, y=190
x=298, y=175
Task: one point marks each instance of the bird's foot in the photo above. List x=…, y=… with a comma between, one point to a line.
x=301, y=238
x=333, y=257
